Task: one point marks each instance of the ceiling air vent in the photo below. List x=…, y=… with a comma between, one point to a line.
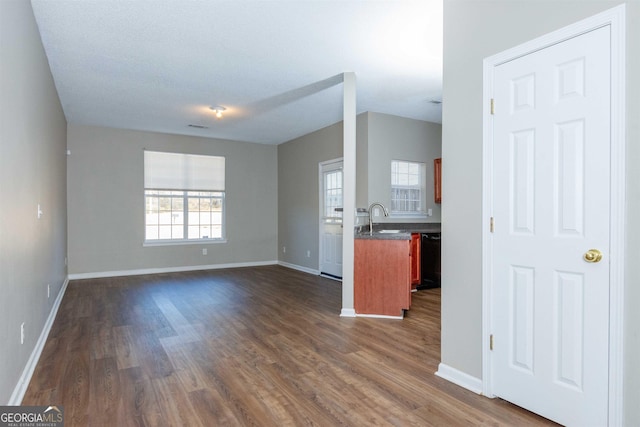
x=198, y=126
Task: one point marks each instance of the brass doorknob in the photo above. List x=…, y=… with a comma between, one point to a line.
x=592, y=255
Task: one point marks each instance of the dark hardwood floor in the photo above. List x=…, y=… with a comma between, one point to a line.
x=250, y=346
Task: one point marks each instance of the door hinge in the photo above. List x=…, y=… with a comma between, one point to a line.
x=491, y=342
x=492, y=106
x=491, y=225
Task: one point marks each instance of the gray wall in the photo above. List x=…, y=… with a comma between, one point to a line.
x=397, y=138
x=362, y=160
x=32, y=171
x=298, y=198
x=474, y=30
x=106, y=206
x=380, y=138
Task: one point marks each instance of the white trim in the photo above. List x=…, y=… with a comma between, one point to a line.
x=616, y=19
x=349, y=186
x=380, y=316
x=334, y=164
x=27, y=373
x=330, y=162
x=299, y=268
x=102, y=274
x=459, y=378
x=348, y=312
x=156, y=243
x=185, y=195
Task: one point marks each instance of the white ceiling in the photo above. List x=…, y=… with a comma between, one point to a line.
x=276, y=65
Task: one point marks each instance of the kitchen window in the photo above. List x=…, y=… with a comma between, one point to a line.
x=408, y=188
x=184, y=198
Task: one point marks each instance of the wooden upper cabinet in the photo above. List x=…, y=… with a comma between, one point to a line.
x=437, y=180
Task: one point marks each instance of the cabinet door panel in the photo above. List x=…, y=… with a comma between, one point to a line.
x=437, y=180
x=415, y=259
x=382, y=282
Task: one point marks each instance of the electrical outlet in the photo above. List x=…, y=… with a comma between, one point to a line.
x=308, y=254
x=284, y=249
x=429, y=212
x=48, y=290
x=22, y=333
x=204, y=251
x=39, y=211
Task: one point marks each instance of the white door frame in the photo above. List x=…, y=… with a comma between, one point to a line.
x=321, y=204
x=615, y=18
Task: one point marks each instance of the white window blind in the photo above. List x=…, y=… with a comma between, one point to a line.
x=177, y=171
x=407, y=187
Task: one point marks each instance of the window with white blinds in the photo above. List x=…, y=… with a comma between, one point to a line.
x=184, y=197
x=177, y=171
x=408, y=187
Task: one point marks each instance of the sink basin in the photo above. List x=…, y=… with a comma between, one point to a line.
x=389, y=231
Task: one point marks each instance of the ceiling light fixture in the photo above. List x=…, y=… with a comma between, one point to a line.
x=218, y=110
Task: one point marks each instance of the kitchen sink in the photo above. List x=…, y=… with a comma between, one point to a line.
x=389, y=231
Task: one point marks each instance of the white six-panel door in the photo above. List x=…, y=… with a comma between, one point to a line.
x=551, y=177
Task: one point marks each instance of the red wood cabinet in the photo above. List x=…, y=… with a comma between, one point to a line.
x=382, y=276
x=437, y=180
x=415, y=260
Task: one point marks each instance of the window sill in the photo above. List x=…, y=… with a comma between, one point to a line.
x=183, y=242
x=408, y=216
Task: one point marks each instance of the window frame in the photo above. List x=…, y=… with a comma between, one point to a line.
x=153, y=206
x=336, y=216
x=421, y=187
x=185, y=196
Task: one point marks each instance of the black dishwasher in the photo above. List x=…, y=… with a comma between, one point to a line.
x=430, y=262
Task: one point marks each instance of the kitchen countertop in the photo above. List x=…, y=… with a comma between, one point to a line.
x=406, y=229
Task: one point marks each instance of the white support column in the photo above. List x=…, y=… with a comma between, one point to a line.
x=349, y=192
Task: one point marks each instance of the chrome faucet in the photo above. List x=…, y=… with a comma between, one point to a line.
x=384, y=210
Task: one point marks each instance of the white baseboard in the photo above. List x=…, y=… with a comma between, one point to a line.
x=380, y=316
x=299, y=268
x=102, y=274
x=459, y=378
x=348, y=312
x=27, y=373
